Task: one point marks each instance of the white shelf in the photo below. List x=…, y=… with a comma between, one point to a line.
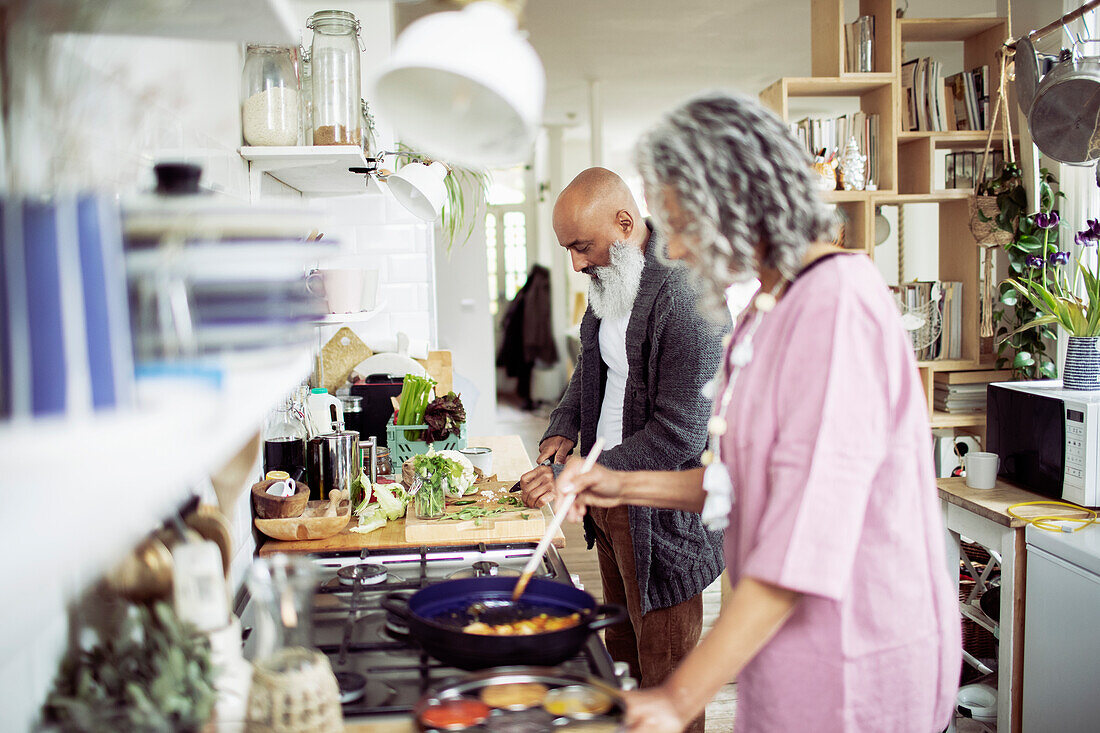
x=99, y=483
x=315, y=170
x=252, y=21
x=340, y=319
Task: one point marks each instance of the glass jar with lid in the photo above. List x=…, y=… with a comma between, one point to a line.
x=269, y=96
x=334, y=65
x=305, y=96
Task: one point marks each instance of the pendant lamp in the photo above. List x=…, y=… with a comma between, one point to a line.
x=464, y=86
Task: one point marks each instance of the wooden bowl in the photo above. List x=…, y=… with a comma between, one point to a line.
x=268, y=506
x=313, y=524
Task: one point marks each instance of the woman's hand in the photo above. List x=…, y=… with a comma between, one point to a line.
x=653, y=711
x=599, y=487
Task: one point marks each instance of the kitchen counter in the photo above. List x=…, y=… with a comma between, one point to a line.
x=992, y=503
x=510, y=461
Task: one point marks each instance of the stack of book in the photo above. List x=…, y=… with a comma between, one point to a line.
x=932, y=311
x=965, y=391
x=828, y=136
x=936, y=104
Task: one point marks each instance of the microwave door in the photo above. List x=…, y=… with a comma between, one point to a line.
x=1028, y=432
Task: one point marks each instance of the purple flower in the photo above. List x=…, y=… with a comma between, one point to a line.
x=1058, y=258
x=1034, y=261
x=1046, y=221
x=1084, y=239
x=1093, y=229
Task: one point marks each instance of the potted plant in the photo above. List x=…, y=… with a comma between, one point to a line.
x=1024, y=349
x=1050, y=289
x=460, y=215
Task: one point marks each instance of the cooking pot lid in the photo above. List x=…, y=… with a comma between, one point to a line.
x=1027, y=73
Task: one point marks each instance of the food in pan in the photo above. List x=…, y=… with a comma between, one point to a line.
x=525, y=627
x=456, y=714
x=514, y=696
x=576, y=701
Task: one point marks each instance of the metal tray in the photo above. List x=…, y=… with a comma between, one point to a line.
x=525, y=721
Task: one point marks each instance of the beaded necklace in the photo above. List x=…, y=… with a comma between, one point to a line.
x=716, y=477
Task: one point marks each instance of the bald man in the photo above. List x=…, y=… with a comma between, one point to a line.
x=646, y=353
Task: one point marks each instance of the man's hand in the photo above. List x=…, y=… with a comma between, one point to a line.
x=555, y=448
x=537, y=487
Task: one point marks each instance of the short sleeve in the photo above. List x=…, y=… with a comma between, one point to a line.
x=832, y=403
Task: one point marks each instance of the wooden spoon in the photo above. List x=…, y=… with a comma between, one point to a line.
x=555, y=525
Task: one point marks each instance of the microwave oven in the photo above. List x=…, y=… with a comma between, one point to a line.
x=1048, y=438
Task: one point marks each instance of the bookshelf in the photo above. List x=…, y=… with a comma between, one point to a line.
x=907, y=158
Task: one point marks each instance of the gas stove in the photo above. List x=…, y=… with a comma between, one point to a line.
x=379, y=669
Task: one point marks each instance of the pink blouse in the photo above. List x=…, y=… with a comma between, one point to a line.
x=829, y=450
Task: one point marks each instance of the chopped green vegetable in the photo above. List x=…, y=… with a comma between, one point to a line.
x=464, y=502
x=510, y=500
x=524, y=516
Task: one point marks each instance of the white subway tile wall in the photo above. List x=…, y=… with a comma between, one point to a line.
x=97, y=112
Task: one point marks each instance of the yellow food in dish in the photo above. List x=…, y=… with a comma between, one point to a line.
x=514, y=696
x=576, y=701
x=527, y=627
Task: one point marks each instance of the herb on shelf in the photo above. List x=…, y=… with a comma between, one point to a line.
x=152, y=674
x=1023, y=340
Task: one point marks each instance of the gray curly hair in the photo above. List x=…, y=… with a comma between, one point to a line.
x=740, y=178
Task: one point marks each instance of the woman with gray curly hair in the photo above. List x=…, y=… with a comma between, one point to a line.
x=842, y=616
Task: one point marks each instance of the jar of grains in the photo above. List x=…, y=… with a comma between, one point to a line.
x=334, y=63
x=269, y=96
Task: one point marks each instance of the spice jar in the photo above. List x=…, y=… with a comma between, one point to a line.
x=383, y=463
x=334, y=66
x=269, y=96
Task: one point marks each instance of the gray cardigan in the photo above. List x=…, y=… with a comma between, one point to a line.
x=672, y=351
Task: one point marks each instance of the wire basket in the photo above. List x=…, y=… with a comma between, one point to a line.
x=923, y=321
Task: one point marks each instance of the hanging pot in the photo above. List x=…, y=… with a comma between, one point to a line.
x=1082, y=368
x=1065, y=114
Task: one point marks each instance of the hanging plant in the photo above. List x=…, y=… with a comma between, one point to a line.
x=1034, y=241
x=460, y=216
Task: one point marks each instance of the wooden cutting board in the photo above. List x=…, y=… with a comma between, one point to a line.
x=520, y=524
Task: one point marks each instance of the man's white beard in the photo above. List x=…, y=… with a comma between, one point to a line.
x=611, y=293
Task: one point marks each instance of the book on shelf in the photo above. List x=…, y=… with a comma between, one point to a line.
x=933, y=103
x=965, y=391
x=828, y=137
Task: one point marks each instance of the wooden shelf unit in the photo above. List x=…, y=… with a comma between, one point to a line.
x=907, y=159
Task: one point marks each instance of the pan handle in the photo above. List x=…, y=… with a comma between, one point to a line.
x=397, y=603
x=612, y=614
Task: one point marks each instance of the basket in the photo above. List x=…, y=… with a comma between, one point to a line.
x=402, y=449
x=987, y=232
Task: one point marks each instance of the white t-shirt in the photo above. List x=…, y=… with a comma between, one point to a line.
x=613, y=353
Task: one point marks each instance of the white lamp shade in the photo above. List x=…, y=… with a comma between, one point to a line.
x=464, y=86
x=420, y=189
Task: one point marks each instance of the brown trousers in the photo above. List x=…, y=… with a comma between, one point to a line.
x=652, y=644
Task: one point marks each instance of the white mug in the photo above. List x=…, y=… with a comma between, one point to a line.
x=480, y=457
x=342, y=288
x=981, y=469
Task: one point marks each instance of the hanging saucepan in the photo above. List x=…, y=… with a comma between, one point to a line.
x=1065, y=114
x=438, y=614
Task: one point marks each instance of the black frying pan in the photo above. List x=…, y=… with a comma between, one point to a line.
x=437, y=614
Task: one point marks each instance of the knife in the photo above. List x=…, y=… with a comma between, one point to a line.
x=515, y=486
